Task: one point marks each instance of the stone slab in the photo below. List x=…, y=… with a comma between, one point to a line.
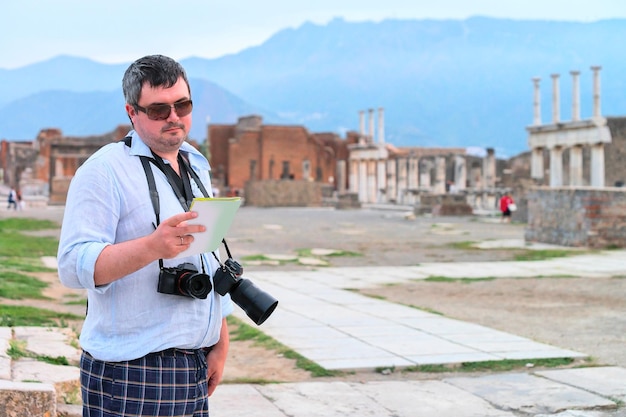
x=25, y=399
x=608, y=381
x=529, y=394
x=242, y=400
x=49, y=341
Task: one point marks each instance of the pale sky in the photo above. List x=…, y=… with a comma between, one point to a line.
x=119, y=31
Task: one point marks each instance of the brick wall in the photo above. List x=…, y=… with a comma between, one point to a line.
x=283, y=193
x=579, y=217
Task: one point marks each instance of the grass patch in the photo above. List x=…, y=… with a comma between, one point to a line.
x=17, y=350
x=16, y=286
x=15, y=244
x=22, y=223
x=308, y=253
x=11, y=316
x=437, y=278
x=24, y=264
x=541, y=255
x=492, y=366
x=464, y=245
x=238, y=330
x=255, y=258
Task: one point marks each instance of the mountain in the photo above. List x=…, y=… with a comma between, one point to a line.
x=441, y=82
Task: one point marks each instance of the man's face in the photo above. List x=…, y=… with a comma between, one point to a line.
x=164, y=137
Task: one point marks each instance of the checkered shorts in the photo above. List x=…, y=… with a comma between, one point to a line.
x=168, y=383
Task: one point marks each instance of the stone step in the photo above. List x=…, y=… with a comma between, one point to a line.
x=27, y=399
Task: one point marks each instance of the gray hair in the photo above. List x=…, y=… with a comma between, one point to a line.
x=156, y=70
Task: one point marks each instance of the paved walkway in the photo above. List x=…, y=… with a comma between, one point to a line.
x=322, y=320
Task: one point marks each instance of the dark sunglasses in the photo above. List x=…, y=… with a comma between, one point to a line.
x=163, y=111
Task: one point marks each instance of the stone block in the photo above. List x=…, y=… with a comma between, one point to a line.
x=27, y=399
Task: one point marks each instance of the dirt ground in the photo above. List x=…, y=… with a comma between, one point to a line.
x=582, y=314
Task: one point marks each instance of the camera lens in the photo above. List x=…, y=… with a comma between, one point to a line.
x=257, y=304
x=194, y=285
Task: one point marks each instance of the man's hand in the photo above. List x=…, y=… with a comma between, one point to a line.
x=174, y=235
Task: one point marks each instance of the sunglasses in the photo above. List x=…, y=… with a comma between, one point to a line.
x=163, y=111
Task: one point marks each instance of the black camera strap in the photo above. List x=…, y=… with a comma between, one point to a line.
x=180, y=185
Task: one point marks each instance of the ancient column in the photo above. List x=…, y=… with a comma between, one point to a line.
x=536, y=164
x=596, y=91
x=372, y=186
x=354, y=176
x=575, y=96
x=425, y=166
x=381, y=125
x=392, y=190
x=536, y=102
x=576, y=166
x=597, y=165
x=460, y=172
x=556, y=166
x=371, y=127
x=362, y=122
x=556, y=105
x=363, y=181
x=489, y=169
x=440, y=175
x=402, y=180
x=341, y=176
x=412, y=179
x=381, y=182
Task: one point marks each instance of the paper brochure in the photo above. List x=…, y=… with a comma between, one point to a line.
x=217, y=215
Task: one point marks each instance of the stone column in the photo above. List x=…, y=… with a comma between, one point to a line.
x=576, y=166
x=353, y=181
x=381, y=125
x=362, y=122
x=440, y=175
x=412, y=179
x=402, y=180
x=460, y=172
x=596, y=91
x=362, y=181
x=536, y=164
x=341, y=177
x=371, y=127
x=489, y=169
x=392, y=190
x=556, y=105
x=381, y=182
x=597, y=165
x=424, y=174
x=556, y=166
x=372, y=184
x=575, y=96
x=536, y=102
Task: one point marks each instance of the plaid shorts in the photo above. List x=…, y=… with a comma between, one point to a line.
x=168, y=383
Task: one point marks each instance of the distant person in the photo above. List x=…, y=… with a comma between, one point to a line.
x=151, y=345
x=19, y=200
x=12, y=199
x=507, y=205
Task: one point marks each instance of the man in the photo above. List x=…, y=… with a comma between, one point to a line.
x=507, y=205
x=146, y=352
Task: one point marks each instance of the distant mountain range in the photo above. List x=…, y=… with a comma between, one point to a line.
x=461, y=83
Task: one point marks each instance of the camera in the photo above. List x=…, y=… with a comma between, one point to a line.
x=257, y=304
x=184, y=280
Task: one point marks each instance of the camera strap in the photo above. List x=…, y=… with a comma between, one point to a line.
x=179, y=186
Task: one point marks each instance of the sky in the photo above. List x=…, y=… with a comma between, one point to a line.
x=120, y=31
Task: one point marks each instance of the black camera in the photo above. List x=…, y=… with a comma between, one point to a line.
x=257, y=304
x=184, y=280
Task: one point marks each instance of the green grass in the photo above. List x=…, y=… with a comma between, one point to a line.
x=16, y=286
x=541, y=255
x=17, y=349
x=464, y=245
x=491, y=366
x=11, y=316
x=15, y=244
x=23, y=264
x=238, y=330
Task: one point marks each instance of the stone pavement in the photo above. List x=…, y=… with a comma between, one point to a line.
x=320, y=318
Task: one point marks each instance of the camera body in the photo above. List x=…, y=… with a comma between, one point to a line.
x=257, y=304
x=184, y=280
